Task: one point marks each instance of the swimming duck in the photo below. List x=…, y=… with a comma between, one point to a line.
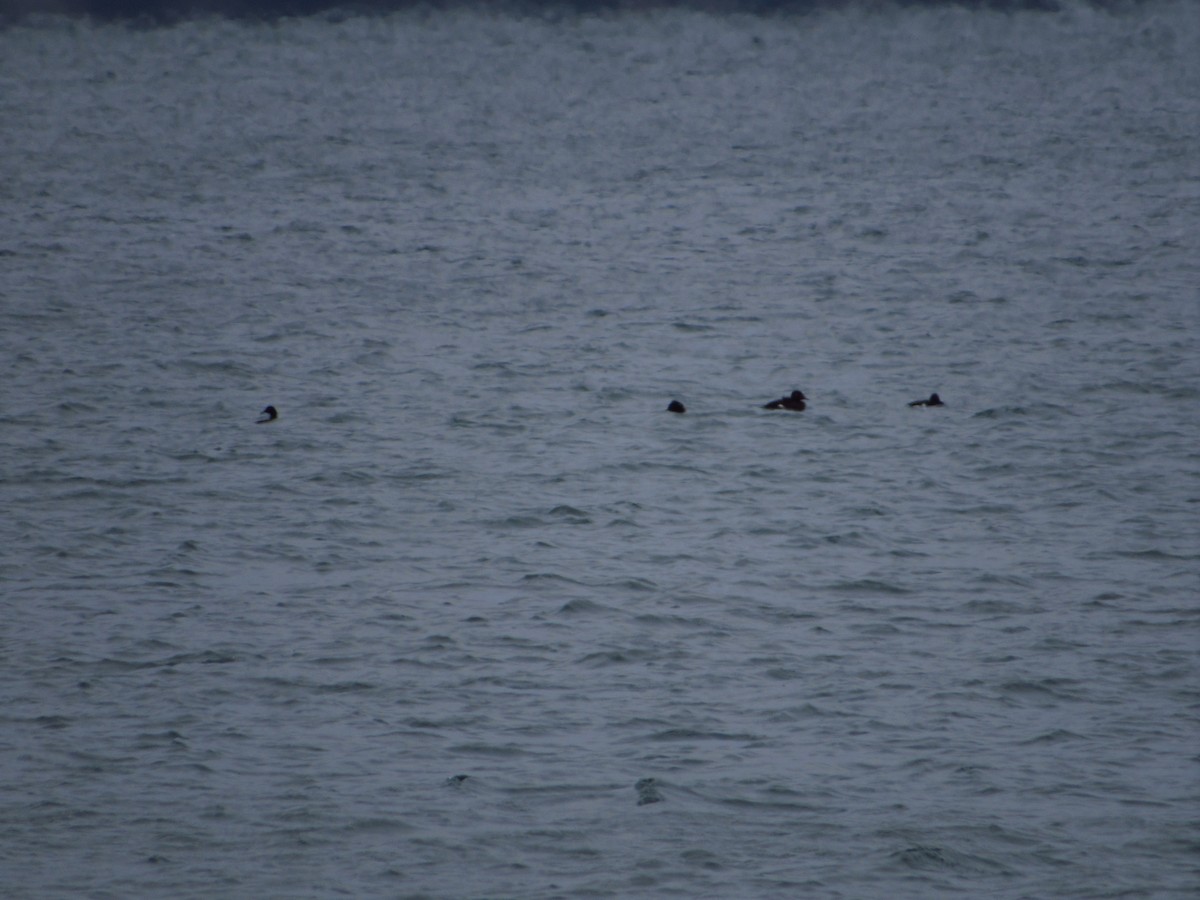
x=934, y=400
x=676, y=407
x=794, y=401
x=270, y=414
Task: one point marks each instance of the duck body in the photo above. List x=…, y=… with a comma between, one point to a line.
x=676, y=407
x=934, y=400
x=270, y=414
x=793, y=401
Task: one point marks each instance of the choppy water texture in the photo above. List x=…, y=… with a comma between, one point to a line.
x=476, y=617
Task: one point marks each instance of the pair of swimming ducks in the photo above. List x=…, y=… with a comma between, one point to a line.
x=795, y=402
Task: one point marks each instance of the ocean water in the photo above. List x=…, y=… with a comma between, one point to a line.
x=477, y=617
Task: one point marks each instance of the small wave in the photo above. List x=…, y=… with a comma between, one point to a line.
x=657, y=619
x=377, y=825
x=613, y=657
x=346, y=687
x=1156, y=555
x=633, y=584
x=868, y=586
x=648, y=792
x=1008, y=412
x=493, y=750
x=1056, y=736
x=547, y=577
x=931, y=858
x=692, y=734
x=991, y=578
x=994, y=607
x=166, y=12
x=582, y=607
x=1046, y=689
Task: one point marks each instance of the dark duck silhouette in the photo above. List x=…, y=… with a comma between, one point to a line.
x=270, y=414
x=794, y=401
x=934, y=400
x=676, y=407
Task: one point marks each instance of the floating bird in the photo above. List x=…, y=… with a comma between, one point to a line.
x=794, y=401
x=934, y=400
x=676, y=407
x=270, y=414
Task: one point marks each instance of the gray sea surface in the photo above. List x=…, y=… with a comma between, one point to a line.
x=477, y=617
